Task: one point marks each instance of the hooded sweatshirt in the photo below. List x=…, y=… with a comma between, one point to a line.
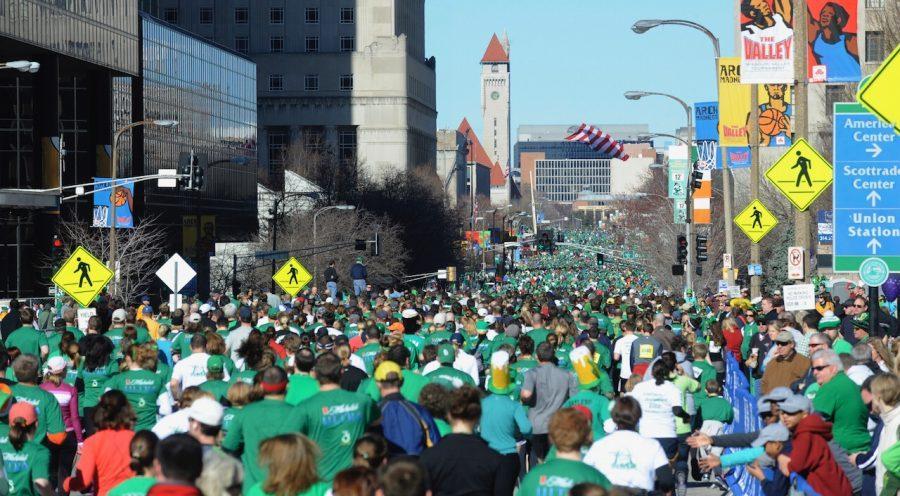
x=811, y=457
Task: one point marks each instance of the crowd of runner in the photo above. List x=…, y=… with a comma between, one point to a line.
x=561, y=379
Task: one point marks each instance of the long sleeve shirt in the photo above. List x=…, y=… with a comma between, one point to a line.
x=67, y=397
x=503, y=423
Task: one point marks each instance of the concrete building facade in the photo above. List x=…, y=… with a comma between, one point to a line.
x=495, y=111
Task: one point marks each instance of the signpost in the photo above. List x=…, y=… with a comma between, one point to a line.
x=756, y=221
x=176, y=273
x=880, y=95
x=866, y=200
x=292, y=277
x=82, y=276
x=801, y=174
x=795, y=263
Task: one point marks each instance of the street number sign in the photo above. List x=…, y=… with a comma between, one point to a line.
x=292, y=277
x=880, y=94
x=82, y=276
x=866, y=189
x=801, y=174
x=756, y=221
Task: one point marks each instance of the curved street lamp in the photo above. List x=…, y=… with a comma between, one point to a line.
x=21, y=65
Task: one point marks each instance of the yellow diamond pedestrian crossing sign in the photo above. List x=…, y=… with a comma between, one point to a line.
x=756, y=221
x=292, y=277
x=880, y=94
x=801, y=174
x=82, y=276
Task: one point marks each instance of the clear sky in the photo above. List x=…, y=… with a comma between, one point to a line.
x=572, y=60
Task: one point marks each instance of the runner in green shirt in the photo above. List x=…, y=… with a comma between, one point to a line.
x=50, y=422
x=140, y=384
x=28, y=339
x=135, y=486
x=302, y=385
x=215, y=372
x=25, y=460
x=446, y=374
x=371, y=349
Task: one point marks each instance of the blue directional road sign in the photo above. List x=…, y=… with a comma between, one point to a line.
x=866, y=189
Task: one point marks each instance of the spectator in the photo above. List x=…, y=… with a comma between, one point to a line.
x=408, y=427
x=179, y=462
x=787, y=367
x=462, y=451
x=886, y=403
x=331, y=279
x=570, y=430
x=860, y=371
x=143, y=454
x=290, y=462
x=838, y=400
x=545, y=389
x=358, y=275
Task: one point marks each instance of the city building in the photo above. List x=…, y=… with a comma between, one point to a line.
x=80, y=47
x=495, y=111
x=564, y=170
x=350, y=76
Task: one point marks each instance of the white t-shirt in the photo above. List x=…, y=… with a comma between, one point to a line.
x=627, y=459
x=657, y=419
x=191, y=370
x=623, y=349
x=176, y=423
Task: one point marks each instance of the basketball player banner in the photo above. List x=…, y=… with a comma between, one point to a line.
x=104, y=194
x=833, y=50
x=734, y=103
x=776, y=108
x=767, y=42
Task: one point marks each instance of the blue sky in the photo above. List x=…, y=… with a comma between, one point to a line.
x=572, y=59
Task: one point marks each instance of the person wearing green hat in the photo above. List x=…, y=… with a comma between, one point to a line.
x=861, y=327
x=831, y=326
x=445, y=374
x=590, y=381
x=215, y=375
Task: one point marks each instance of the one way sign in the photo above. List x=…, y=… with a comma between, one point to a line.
x=866, y=189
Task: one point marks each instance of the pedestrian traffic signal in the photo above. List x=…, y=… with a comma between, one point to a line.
x=700, y=248
x=600, y=259
x=682, y=249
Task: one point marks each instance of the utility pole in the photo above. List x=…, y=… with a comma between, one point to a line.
x=801, y=122
x=753, y=128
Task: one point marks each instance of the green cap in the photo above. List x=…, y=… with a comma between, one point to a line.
x=273, y=312
x=482, y=325
x=446, y=354
x=215, y=363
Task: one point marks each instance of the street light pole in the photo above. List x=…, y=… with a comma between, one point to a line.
x=113, y=176
x=315, y=235
x=689, y=222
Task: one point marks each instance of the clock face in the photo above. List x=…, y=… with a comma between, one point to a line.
x=495, y=95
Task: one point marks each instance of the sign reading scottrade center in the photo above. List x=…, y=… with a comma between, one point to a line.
x=866, y=189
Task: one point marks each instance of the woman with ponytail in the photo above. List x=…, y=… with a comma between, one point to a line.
x=143, y=448
x=62, y=456
x=27, y=462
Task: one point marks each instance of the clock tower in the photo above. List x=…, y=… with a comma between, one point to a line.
x=495, y=111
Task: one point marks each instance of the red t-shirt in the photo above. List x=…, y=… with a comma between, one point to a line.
x=733, y=339
x=105, y=461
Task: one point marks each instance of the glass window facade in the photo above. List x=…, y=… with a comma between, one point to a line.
x=875, y=48
x=562, y=180
x=211, y=92
x=103, y=32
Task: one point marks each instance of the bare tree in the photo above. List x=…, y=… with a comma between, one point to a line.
x=139, y=252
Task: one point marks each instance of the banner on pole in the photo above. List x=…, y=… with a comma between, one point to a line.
x=734, y=103
x=833, y=43
x=767, y=42
x=776, y=109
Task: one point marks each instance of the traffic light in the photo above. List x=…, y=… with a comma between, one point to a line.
x=545, y=240
x=56, y=252
x=700, y=247
x=696, y=179
x=184, y=170
x=376, y=246
x=600, y=259
x=682, y=249
x=197, y=169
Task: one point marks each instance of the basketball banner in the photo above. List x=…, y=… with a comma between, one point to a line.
x=734, y=103
x=776, y=109
x=767, y=42
x=105, y=194
x=833, y=52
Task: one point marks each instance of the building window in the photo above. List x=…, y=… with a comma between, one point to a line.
x=276, y=82
x=171, y=16
x=276, y=44
x=278, y=142
x=312, y=15
x=241, y=44
x=312, y=44
x=835, y=93
x=348, y=43
x=311, y=82
x=347, y=144
x=241, y=15
x=206, y=15
x=874, y=4
x=313, y=139
x=874, y=46
x=347, y=82
x=276, y=15
x=347, y=15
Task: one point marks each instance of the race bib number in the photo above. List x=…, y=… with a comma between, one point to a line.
x=645, y=351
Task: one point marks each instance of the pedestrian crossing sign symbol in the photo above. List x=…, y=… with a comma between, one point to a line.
x=82, y=276
x=756, y=221
x=292, y=277
x=801, y=174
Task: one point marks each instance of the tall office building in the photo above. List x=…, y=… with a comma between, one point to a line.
x=495, y=110
x=350, y=75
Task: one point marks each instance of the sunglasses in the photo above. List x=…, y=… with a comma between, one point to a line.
x=819, y=368
x=859, y=306
x=782, y=344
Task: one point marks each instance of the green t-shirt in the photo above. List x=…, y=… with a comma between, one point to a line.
x=299, y=388
x=247, y=430
x=227, y=418
x=28, y=340
x=412, y=386
x=55, y=338
x=317, y=489
x=24, y=466
x=556, y=477
x=498, y=341
x=842, y=347
x=94, y=384
x=716, y=408
x=519, y=369
x=450, y=377
x=839, y=401
x=49, y=416
x=219, y=389
x=599, y=407
x=135, y=486
x=707, y=373
x=414, y=344
x=437, y=337
x=538, y=334
x=142, y=388
x=368, y=354
x=335, y=419
x=244, y=376
x=181, y=346
x=686, y=385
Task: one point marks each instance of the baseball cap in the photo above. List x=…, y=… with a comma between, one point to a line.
x=147, y=310
x=772, y=433
x=457, y=338
x=440, y=318
x=388, y=371
x=409, y=313
x=56, y=364
x=194, y=318
x=796, y=403
x=778, y=394
x=482, y=326
x=784, y=337
x=119, y=315
x=446, y=354
x=215, y=363
x=207, y=411
x=205, y=308
x=23, y=410
x=763, y=406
